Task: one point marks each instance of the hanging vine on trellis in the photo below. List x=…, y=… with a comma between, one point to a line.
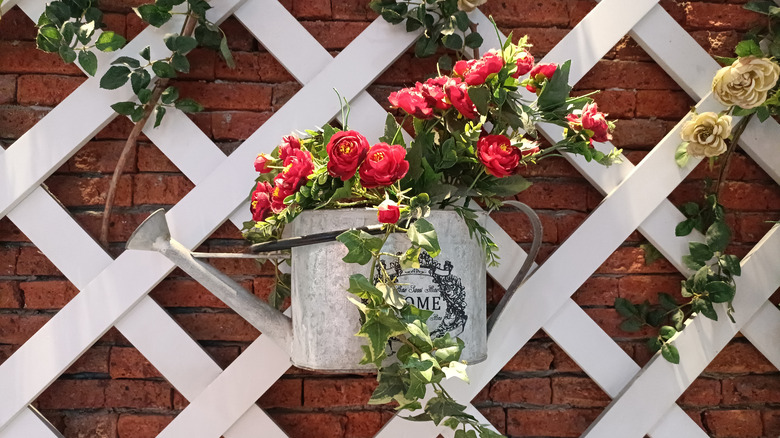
x=69, y=28
x=747, y=86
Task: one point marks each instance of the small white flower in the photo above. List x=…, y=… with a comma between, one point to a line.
x=706, y=134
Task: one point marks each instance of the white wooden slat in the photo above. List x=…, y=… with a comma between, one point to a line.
x=762, y=332
x=30, y=424
x=56, y=137
x=660, y=383
x=230, y=393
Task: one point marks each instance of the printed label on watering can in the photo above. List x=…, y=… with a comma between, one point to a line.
x=434, y=286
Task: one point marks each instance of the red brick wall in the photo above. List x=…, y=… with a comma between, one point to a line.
x=113, y=392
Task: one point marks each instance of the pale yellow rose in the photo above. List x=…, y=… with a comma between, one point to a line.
x=746, y=82
x=470, y=5
x=706, y=134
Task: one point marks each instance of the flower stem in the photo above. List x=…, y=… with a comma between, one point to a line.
x=729, y=152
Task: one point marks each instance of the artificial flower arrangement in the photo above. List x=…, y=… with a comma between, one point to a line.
x=747, y=86
x=473, y=131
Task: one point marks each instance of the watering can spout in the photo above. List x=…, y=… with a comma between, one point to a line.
x=154, y=235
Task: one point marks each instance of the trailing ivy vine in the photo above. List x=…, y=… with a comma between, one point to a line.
x=71, y=28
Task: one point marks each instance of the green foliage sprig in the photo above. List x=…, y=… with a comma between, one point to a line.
x=423, y=362
x=712, y=280
x=443, y=24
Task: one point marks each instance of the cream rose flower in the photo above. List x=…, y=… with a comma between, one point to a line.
x=706, y=134
x=746, y=82
x=470, y=5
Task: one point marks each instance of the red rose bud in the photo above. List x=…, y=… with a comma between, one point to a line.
x=411, y=101
x=478, y=72
x=260, y=204
x=289, y=143
x=261, y=163
x=457, y=92
x=384, y=165
x=433, y=92
x=540, y=72
x=346, y=150
x=525, y=62
x=498, y=155
x=595, y=121
x=388, y=212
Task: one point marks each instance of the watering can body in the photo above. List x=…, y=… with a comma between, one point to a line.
x=321, y=333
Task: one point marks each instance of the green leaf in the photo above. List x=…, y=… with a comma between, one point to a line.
x=556, y=90
x=670, y=353
x=456, y=369
x=144, y=95
x=188, y=106
x=730, y=263
x=169, y=95
x=48, y=39
x=146, y=53
x=124, y=108
x=720, y=291
x=480, y=96
x=454, y=41
x=94, y=15
x=760, y=6
x=439, y=408
x=184, y=44
x=115, y=77
x=654, y=344
x=444, y=63
x=393, y=132
x=391, y=295
x=180, y=63
x=128, y=61
x=109, y=41
x=681, y=156
x=411, y=259
x=168, y=4
x=425, y=46
x=390, y=385
x=57, y=12
x=631, y=325
x=705, y=308
x=207, y=37
x=625, y=308
x=67, y=54
x=448, y=349
x=656, y=317
x=685, y=227
x=152, y=14
x=509, y=186
x=678, y=318
x=224, y=52
x=88, y=62
x=422, y=234
x=691, y=263
x=474, y=40
x=748, y=48
x=667, y=332
x=763, y=113
x=651, y=253
x=360, y=285
x=140, y=79
x=690, y=209
x=85, y=32
x=700, y=251
x=413, y=314
x=667, y=301
x=163, y=69
x=138, y=114
x=718, y=236
x=360, y=245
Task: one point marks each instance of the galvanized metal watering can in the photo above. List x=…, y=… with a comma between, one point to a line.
x=320, y=335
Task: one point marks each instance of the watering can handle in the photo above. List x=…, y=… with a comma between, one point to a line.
x=536, y=224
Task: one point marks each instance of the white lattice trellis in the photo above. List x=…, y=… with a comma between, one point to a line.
x=113, y=292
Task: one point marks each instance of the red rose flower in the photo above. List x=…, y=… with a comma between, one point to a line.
x=411, y=101
x=462, y=66
x=278, y=194
x=297, y=167
x=498, y=155
x=388, y=213
x=525, y=62
x=433, y=92
x=261, y=163
x=260, y=204
x=346, y=150
x=575, y=122
x=595, y=121
x=532, y=149
x=457, y=92
x=478, y=72
x=384, y=165
x=289, y=143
